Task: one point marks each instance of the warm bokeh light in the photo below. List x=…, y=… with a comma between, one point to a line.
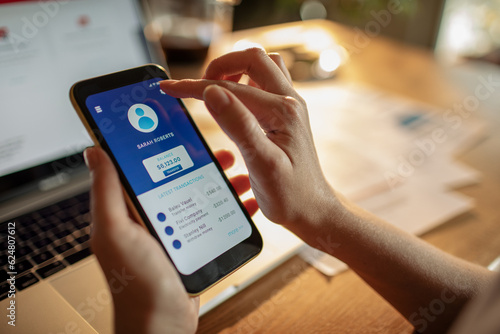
x=309, y=51
x=312, y=9
x=329, y=60
x=244, y=44
x=469, y=28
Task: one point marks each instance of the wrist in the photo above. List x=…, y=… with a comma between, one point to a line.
x=318, y=225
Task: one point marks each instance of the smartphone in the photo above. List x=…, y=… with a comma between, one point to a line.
x=173, y=184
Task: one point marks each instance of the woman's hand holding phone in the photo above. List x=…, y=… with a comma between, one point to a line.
x=173, y=183
x=148, y=295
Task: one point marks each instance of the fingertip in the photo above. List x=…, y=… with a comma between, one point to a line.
x=280, y=62
x=98, y=160
x=215, y=98
x=251, y=206
x=101, y=166
x=166, y=85
x=168, y=82
x=89, y=157
x=214, y=71
x=226, y=158
x=241, y=184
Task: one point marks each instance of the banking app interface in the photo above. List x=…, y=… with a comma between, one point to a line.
x=181, y=190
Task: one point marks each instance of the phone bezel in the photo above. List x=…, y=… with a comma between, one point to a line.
x=224, y=264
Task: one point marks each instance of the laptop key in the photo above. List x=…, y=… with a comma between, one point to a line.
x=50, y=269
x=63, y=247
x=3, y=228
x=42, y=257
x=48, y=211
x=4, y=290
x=80, y=255
x=82, y=225
x=64, y=216
x=83, y=238
x=25, y=250
x=46, y=227
x=3, y=259
x=63, y=233
x=23, y=266
x=25, y=281
x=3, y=274
x=42, y=242
x=28, y=234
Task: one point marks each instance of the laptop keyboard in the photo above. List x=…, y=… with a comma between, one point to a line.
x=47, y=241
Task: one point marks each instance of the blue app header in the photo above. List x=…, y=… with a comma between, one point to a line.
x=149, y=134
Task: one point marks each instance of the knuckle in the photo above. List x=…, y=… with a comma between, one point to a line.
x=301, y=100
x=275, y=56
x=291, y=113
x=256, y=52
x=280, y=61
x=258, y=56
x=213, y=69
x=291, y=106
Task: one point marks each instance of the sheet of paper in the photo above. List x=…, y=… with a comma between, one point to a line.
x=415, y=209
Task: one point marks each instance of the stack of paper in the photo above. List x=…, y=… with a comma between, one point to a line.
x=392, y=156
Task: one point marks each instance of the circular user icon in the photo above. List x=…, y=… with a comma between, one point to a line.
x=142, y=117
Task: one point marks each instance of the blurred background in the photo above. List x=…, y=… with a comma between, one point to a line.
x=455, y=29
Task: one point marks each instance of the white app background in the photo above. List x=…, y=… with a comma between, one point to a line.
x=196, y=217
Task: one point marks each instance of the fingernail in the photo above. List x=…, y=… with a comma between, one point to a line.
x=89, y=157
x=165, y=84
x=215, y=97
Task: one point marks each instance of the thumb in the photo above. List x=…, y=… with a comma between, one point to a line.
x=107, y=203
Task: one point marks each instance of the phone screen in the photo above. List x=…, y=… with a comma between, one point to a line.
x=174, y=178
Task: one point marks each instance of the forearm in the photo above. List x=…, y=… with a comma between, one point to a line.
x=426, y=285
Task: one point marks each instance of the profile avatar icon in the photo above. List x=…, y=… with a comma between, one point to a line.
x=142, y=117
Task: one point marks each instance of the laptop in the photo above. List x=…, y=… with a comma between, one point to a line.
x=46, y=46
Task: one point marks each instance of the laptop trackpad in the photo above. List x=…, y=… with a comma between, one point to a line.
x=85, y=289
x=39, y=309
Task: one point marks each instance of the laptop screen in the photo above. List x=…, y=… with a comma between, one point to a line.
x=45, y=47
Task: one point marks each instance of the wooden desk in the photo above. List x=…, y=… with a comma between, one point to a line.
x=296, y=298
